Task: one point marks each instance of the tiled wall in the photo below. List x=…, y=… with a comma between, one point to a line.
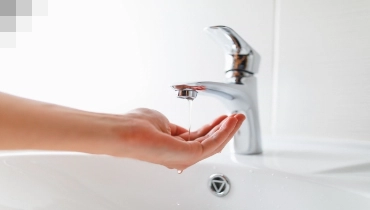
x=116, y=55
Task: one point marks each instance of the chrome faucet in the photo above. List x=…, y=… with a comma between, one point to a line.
x=239, y=94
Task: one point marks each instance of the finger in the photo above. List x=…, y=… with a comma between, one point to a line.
x=240, y=118
x=205, y=129
x=214, y=129
x=210, y=133
x=177, y=130
x=211, y=143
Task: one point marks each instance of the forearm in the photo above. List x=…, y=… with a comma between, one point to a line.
x=28, y=124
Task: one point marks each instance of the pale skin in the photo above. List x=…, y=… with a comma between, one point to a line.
x=142, y=134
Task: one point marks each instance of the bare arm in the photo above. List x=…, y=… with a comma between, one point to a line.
x=28, y=124
x=142, y=134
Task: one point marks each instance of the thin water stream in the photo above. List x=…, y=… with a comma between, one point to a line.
x=190, y=108
x=190, y=101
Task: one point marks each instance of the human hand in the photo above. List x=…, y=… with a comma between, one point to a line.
x=149, y=136
x=142, y=134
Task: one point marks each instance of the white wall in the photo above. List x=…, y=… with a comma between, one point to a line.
x=324, y=69
x=115, y=55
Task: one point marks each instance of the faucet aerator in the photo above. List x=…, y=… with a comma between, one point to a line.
x=187, y=94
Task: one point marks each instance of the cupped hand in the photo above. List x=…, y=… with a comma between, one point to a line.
x=149, y=136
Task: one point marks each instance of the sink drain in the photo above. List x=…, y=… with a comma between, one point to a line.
x=219, y=185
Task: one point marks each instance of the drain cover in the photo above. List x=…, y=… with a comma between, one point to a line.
x=219, y=184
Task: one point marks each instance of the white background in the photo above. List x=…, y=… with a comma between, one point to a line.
x=116, y=55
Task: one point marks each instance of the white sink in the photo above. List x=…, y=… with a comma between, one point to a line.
x=292, y=174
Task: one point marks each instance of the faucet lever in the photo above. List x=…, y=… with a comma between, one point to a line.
x=241, y=59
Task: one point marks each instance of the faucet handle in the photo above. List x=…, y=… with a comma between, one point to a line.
x=232, y=43
x=241, y=59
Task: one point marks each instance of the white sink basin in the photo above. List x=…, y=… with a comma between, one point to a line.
x=290, y=174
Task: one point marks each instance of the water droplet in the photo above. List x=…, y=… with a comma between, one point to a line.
x=272, y=174
x=178, y=204
x=179, y=171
